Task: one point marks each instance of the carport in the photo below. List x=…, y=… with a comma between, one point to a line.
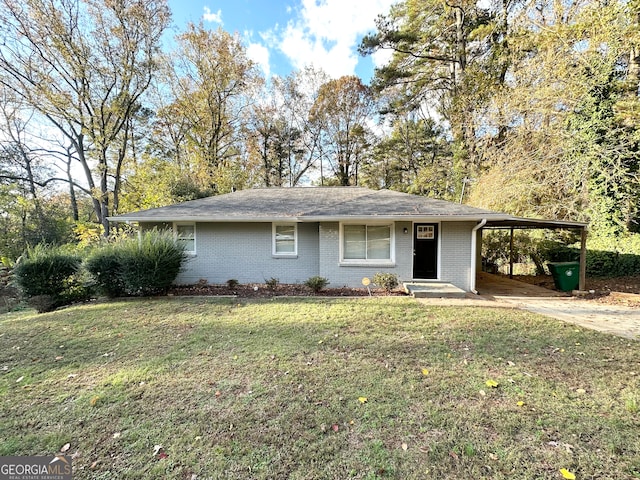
x=518, y=223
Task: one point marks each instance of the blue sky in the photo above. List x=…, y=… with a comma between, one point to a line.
x=284, y=35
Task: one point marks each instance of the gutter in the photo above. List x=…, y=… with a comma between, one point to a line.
x=474, y=241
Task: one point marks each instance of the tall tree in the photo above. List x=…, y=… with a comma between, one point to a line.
x=210, y=79
x=414, y=157
x=340, y=113
x=571, y=146
x=284, y=138
x=447, y=56
x=84, y=65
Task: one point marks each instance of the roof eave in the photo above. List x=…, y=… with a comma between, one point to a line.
x=316, y=218
x=194, y=218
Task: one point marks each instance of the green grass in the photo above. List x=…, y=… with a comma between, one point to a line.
x=270, y=390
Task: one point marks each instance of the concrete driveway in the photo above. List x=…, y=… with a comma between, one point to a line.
x=496, y=291
x=615, y=319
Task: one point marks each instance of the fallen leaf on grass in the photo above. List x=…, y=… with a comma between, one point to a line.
x=362, y=399
x=521, y=403
x=94, y=465
x=425, y=371
x=94, y=400
x=491, y=384
x=405, y=446
x=567, y=474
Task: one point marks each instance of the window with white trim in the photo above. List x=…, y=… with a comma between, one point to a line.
x=285, y=239
x=367, y=243
x=186, y=235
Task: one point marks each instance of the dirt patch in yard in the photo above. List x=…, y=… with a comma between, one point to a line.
x=614, y=291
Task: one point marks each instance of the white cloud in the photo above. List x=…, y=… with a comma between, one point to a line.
x=209, y=16
x=381, y=57
x=326, y=33
x=259, y=54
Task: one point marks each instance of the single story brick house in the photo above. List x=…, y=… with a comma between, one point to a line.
x=341, y=233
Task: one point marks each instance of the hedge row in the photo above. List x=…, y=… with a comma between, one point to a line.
x=606, y=257
x=51, y=277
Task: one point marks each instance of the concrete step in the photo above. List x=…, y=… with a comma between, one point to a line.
x=433, y=290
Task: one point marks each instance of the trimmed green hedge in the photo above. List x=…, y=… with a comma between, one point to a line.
x=137, y=267
x=104, y=264
x=606, y=257
x=50, y=278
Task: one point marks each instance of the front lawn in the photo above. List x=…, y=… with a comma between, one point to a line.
x=317, y=389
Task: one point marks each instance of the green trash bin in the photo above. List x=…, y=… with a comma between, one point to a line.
x=566, y=275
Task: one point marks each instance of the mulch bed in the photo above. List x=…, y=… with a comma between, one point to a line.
x=256, y=290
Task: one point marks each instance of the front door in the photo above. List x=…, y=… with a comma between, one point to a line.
x=425, y=250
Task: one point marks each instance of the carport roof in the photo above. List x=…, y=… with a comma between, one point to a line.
x=533, y=223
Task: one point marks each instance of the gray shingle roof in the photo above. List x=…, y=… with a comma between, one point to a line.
x=310, y=204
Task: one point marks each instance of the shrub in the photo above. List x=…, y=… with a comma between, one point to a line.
x=149, y=265
x=388, y=281
x=144, y=266
x=50, y=278
x=104, y=264
x=317, y=283
x=606, y=256
x=272, y=283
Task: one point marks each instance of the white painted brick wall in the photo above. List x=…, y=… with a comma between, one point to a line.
x=244, y=251
x=456, y=253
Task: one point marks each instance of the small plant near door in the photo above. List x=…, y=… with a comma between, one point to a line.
x=388, y=281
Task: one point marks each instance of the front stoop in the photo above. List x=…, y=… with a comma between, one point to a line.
x=433, y=290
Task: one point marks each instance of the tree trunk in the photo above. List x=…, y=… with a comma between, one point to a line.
x=72, y=190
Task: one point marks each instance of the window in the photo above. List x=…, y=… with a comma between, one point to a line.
x=186, y=235
x=285, y=239
x=425, y=232
x=366, y=243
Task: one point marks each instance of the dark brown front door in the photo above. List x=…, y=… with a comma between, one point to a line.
x=425, y=250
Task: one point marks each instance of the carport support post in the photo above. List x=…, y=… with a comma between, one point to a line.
x=511, y=254
x=582, y=282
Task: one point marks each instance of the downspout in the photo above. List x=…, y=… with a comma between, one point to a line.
x=474, y=241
